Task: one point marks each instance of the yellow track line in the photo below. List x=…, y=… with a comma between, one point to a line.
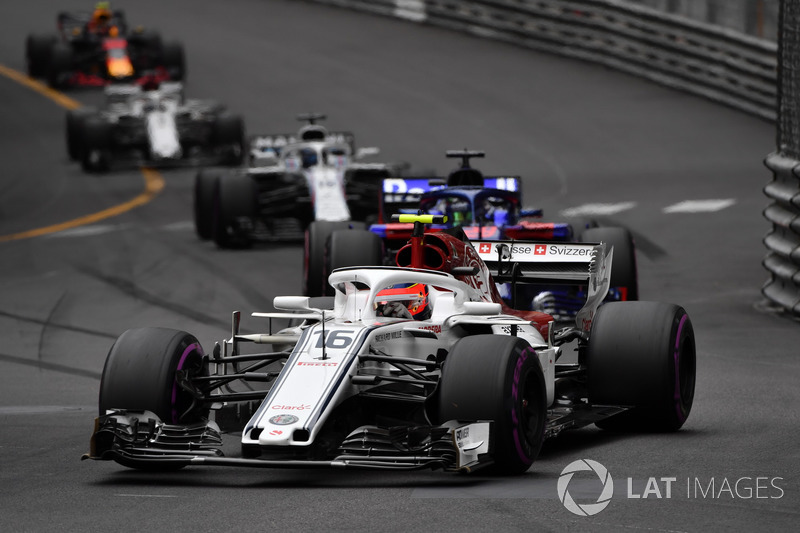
x=154, y=183
x=60, y=98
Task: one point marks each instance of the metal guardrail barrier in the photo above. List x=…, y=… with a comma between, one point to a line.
x=783, y=242
x=719, y=63
x=758, y=18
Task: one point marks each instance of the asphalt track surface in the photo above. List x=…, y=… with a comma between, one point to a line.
x=577, y=133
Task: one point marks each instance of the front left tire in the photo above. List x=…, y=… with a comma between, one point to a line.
x=497, y=378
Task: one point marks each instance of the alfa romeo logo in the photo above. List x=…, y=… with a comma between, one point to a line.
x=283, y=420
x=586, y=509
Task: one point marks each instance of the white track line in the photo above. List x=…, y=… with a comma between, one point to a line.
x=699, y=206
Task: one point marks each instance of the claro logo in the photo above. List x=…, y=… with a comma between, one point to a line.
x=291, y=407
x=586, y=509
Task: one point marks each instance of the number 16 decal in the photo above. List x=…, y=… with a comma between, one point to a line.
x=335, y=340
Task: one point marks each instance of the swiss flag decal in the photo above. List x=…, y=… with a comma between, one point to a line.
x=540, y=249
x=485, y=248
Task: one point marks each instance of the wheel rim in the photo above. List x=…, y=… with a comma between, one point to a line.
x=178, y=402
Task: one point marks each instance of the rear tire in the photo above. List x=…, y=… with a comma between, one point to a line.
x=315, y=263
x=352, y=248
x=204, y=185
x=623, y=269
x=234, y=199
x=174, y=60
x=642, y=354
x=497, y=378
x=229, y=138
x=37, y=54
x=76, y=119
x=140, y=374
x=96, y=156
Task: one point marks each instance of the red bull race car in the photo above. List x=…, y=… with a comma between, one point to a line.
x=97, y=48
x=417, y=367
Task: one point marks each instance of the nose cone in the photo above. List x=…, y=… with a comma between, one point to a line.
x=120, y=67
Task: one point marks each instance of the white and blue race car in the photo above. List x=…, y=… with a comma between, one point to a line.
x=293, y=181
x=153, y=124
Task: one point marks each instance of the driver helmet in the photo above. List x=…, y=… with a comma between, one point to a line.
x=309, y=157
x=460, y=212
x=101, y=15
x=406, y=300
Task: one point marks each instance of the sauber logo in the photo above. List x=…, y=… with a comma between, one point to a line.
x=540, y=249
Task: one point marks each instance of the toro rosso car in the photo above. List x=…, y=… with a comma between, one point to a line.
x=292, y=181
x=409, y=368
x=153, y=124
x=94, y=49
x=485, y=208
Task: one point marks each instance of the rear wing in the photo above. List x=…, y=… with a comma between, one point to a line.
x=276, y=142
x=71, y=24
x=404, y=193
x=552, y=263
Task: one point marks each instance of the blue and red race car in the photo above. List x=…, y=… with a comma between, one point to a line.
x=96, y=48
x=486, y=208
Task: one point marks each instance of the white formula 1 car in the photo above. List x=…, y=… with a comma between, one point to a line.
x=410, y=368
x=293, y=181
x=153, y=124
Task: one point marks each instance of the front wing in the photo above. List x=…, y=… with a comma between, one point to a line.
x=139, y=439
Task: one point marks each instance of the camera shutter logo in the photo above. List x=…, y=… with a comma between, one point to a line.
x=586, y=509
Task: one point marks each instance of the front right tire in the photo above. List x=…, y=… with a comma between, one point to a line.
x=141, y=374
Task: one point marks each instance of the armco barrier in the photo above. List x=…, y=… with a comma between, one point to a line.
x=721, y=64
x=783, y=242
